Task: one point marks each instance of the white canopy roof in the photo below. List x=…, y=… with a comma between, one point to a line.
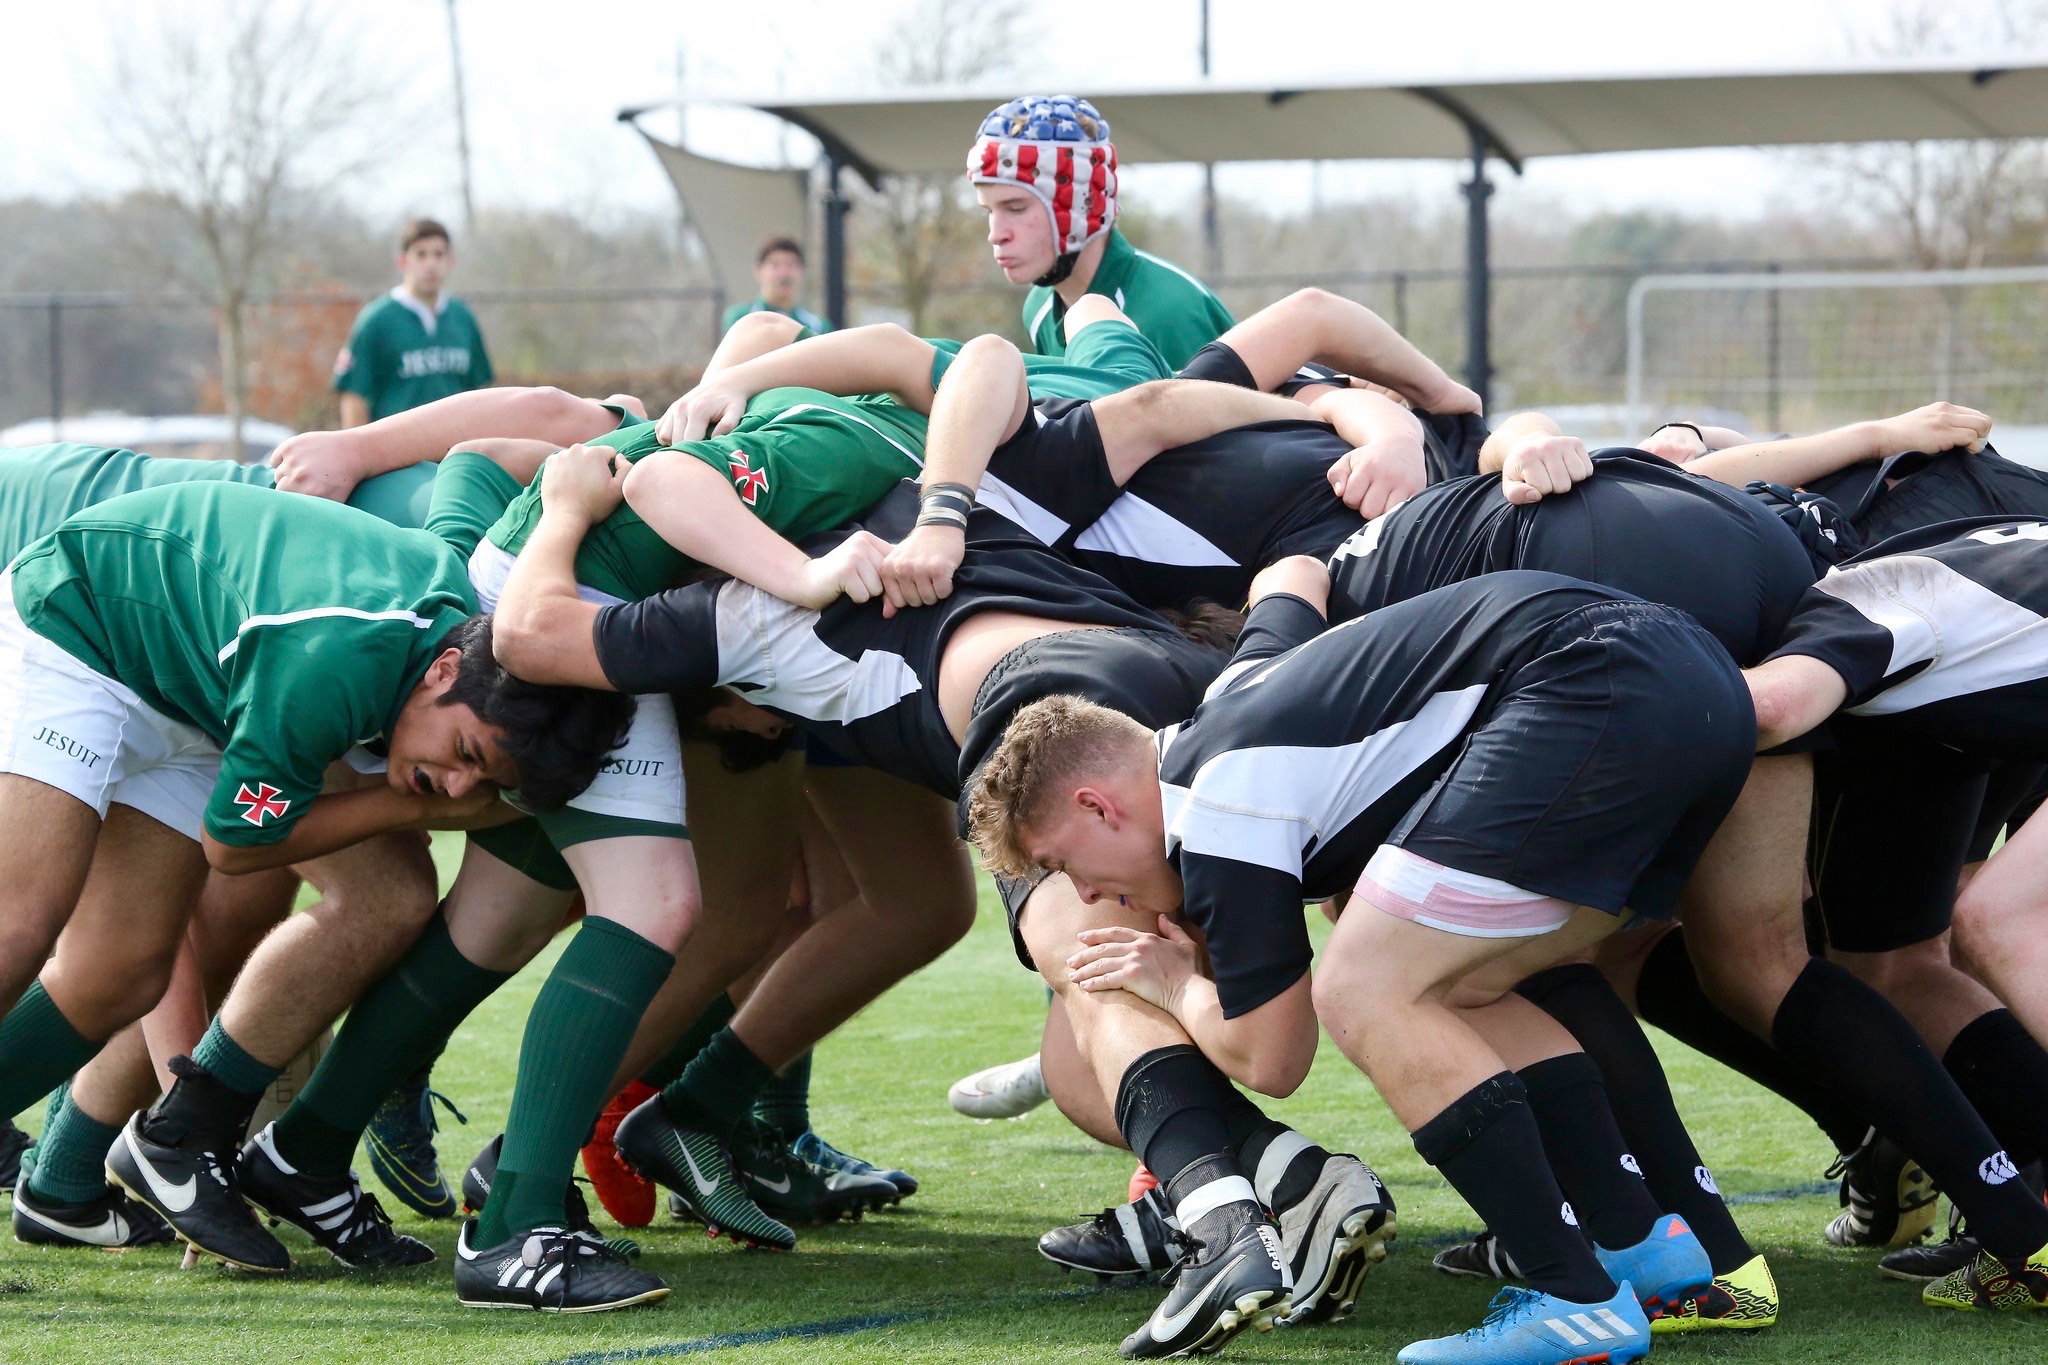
x=930, y=130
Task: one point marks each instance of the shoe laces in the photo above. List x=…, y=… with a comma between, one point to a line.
x=1509, y=1306
x=550, y=1246
x=429, y=1099
x=367, y=1220
x=576, y=1212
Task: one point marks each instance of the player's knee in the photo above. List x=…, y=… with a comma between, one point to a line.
x=1982, y=921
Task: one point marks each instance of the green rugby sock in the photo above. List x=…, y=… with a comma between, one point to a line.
x=582, y=1021
x=404, y=1019
x=39, y=1050
x=717, y=1091
x=227, y=1063
x=670, y=1064
x=785, y=1102
x=71, y=1155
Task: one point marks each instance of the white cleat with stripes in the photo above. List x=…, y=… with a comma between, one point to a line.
x=1524, y=1327
x=550, y=1270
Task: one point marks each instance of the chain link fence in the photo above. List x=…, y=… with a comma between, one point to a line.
x=1560, y=338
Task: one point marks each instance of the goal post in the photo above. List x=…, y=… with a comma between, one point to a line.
x=1806, y=350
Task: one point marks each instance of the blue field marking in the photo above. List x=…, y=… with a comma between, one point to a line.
x=874, y=1322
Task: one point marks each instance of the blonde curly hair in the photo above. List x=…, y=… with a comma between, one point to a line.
x=1047, y=748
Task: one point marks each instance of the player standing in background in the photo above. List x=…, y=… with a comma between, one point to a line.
x=415, y=344
x=1045, y=170
x=779, y=270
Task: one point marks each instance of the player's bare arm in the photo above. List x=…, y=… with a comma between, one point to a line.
x=329, y=464
x=1934, y=428
x=542, y=629
x=1793, y=693
x=1386, y=465
x=336, y=821
x=1316, y=325
x=689, y=505
x=879, y=359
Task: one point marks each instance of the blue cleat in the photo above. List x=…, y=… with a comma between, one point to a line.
x=400, y=1143
x=831, y=1160
x=1667, y=1267
x=1524, y=1327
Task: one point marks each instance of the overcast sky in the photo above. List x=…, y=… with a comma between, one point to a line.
x=545, y=80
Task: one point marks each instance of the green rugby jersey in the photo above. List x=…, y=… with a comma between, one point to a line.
x=288, y=629
x=803, y=461
x=1109, y=358
x=1171, y=307
x=401, y=354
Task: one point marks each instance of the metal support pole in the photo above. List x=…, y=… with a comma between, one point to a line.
x=461, y=120
x=1401, y=302
x=835, y=242
x=56, y=343
x=1773, y=351
x=1478, y=277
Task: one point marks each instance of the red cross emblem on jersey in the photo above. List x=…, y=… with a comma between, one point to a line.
x=265, y=803
x=750, y=483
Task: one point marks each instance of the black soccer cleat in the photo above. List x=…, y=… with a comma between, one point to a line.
x=1131, y=1239
x=478, y=1175
x=830, y=1159
x=112, y=1220
x=1887, y=1199
x=188, y=1178
x=550, y=1270
x=13, y=1142
x=1482, y=1258
x=1232, y=1275
x=1933, y=1260
x=792, y=1190
x=1333, y=1236
x=699, y=1169
x=348, y=1224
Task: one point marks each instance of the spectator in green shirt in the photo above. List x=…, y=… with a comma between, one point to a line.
x=779, y=270
x=417, y=343
x=1045, y=170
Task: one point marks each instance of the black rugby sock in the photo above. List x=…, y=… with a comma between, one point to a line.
x=1668, y=994
x=2004, y=1073
x=1169, y=1107
x=1578, y=997
x=1487, y=1145
x=1593, y=1165
x=1842, y=1031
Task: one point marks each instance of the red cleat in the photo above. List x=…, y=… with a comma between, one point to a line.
x=1141, y=1181
x=626, y=1196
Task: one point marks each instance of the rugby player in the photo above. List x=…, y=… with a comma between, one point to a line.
x=919, y=695
x=1456, y=899
x=1926, y=647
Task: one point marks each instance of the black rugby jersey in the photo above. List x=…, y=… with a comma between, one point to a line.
x=1198, y=521
x=1311, y=748
x=865, y=685
x=1638, y=524
x=1940, y=633
x=1906, y=492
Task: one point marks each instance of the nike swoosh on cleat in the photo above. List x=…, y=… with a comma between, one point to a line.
x=780, y=1187
x=1177, y=1322
x=704, y=1187
x=176, y=1198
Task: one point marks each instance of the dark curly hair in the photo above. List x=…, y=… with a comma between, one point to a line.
x=558, y=737
x=739, y=751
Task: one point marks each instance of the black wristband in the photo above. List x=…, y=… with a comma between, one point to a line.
x=1689, y=427
x=945, y=504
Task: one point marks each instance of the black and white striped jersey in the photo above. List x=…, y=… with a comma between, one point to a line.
x=1941, y=633
x=864, y=684
x=1638, y=524
x=1198, y=521
x=1311, y=747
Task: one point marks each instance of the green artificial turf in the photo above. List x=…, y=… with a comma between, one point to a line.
x=952, y=1274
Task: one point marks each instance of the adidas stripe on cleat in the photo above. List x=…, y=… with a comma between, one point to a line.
x=350, y=1225
x=1130, y=1239
x=112, y=1220
x=1743, y=1300
x=1667, y=1267
x=1524, y=1327
x=550, y=1270
x=190, y=1182
x=1333, y=1237
x=699, y=1169
x=1988, y=1284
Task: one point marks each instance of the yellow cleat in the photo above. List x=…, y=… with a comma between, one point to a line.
x=1988, y=1284
x=1744, y=1300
